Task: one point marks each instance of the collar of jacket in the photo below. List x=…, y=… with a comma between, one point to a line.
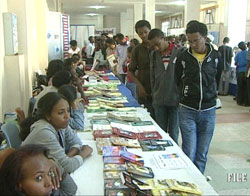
x=209, y=50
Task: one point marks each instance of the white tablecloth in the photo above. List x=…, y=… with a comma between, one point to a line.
x=89, y=177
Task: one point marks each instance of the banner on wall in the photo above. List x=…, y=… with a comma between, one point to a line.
x=98, y=32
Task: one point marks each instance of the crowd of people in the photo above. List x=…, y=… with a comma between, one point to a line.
x=177, y=79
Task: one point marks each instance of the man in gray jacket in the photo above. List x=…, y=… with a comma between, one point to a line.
x=164, y=89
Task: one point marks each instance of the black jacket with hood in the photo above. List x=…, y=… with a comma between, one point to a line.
x=197, y=81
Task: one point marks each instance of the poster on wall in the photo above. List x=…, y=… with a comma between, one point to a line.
x=111, y=31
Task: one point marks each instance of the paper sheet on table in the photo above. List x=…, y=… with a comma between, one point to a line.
x=169, y=161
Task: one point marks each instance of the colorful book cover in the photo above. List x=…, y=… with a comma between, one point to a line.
x=139, y=170
x=183, y=186
x=128, y=156
x=114, y=184
x=114, y=167
x=112, y=151
x=123, y=133
x=149, y=135
x=134, y=183
x=102, y=134
x=118, y=141
x=101, y=142
x=111, y=174
x=114, y=160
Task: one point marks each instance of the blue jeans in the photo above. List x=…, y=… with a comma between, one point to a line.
x=132, y=87
x=197, y=128
x=167, y=118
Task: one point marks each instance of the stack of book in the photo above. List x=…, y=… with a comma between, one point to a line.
x=117, y=160
x=155, y=144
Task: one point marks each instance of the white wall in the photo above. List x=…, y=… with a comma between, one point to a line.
x=31, y=27
x=83, y=20
x=3, y=8
x=158, y=22
x=112, y=22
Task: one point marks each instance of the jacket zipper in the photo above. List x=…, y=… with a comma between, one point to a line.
x=200, y=65
x=201, y=90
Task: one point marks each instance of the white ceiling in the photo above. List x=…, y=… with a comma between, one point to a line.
x=115, y=7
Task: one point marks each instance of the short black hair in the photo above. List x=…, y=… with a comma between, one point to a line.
x=11, y=172
x=226, y=40
x=155, y=33
x=110, y=41
x=129, y=49
x=61, y=78
x=195, y=26
x=69, y=92
x=120, y=36
x=135, y=41
x=76, y=57
x=242, y=45
x=73, y=43
x=142, y=23
x=91, y=37
x=53, y=67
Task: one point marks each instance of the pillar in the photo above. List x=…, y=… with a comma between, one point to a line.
x=99, y=21
x=192, y=11
x=150, y=12
x=127, y=23
x=138, y=15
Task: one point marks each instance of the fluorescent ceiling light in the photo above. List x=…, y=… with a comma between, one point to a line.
x=97, y=6
x=91, y=14
x=158, y=11
x=180, y=3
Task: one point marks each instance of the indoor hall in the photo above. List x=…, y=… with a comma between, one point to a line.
x=34, y=33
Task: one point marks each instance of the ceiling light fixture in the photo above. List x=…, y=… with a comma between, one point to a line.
x=158, y=11
x=97, y=6
x=91, y=14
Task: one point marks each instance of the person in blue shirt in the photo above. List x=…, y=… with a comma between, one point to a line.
x=241, y=65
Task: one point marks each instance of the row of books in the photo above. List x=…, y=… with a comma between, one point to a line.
x=145, y=145
x=126, y=124
x=126, y=134
x=123, y=179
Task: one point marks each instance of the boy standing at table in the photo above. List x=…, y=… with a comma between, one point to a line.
x=121, y=53
x=164, y=90
x=140, y=62
x=196, y=69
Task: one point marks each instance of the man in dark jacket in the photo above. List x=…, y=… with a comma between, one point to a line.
x=195, y=74
x=163, y=87
x=226, y=54
x=140, y=63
